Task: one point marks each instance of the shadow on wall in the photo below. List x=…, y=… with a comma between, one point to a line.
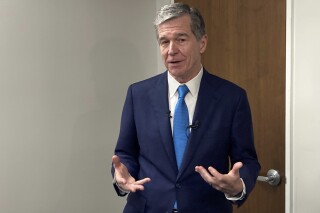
x=88, y=188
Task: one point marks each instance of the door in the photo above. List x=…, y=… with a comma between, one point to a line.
x=247, y=46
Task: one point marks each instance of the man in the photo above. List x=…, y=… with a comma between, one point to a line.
x=184, y=153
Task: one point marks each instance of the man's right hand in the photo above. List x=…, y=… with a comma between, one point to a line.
x=123, y=178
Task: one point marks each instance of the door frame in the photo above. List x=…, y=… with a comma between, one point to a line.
x=289, y=109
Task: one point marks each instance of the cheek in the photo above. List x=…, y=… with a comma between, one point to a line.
x=164, y=54
x=188, y=51
x=188, y=54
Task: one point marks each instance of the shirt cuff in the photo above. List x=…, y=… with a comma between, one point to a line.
x=241, y=196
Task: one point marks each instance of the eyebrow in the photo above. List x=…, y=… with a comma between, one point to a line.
x=177, y=35
x=183, y=34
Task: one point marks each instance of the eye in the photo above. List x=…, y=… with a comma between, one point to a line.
x=163, y=42
x=181, y=40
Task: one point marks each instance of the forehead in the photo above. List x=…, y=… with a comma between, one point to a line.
x=176, y=26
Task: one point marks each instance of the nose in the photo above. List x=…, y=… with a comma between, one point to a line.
x=173, y=49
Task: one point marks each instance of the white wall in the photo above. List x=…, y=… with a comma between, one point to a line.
x=65, y=66
x=306, y=106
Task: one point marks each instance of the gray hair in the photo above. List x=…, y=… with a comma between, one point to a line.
x=176, y=10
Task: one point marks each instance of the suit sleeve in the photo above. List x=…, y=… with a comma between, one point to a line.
x=242, y=148
x=127, y=147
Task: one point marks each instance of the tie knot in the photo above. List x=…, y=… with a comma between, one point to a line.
x=183, y=91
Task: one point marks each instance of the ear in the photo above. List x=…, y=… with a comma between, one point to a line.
x=203, y=43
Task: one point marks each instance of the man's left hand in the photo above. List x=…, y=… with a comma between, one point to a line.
x=229, y=184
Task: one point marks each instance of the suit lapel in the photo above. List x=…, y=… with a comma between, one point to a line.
x=160, y=103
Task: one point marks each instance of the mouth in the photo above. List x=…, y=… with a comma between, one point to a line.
x=174, y=62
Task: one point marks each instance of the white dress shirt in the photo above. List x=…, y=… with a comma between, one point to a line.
x=191, y=97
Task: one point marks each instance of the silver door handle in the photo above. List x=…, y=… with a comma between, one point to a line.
x=273, y=178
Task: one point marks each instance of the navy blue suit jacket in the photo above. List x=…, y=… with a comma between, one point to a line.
x=145, y=145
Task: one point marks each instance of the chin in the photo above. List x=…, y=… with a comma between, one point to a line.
x=176, y=72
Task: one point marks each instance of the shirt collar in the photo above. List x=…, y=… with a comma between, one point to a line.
x=193, y=84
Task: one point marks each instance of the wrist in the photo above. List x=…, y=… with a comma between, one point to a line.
x=122, y=190
x=240, y=195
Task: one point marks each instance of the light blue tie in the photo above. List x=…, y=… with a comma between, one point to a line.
x=180, y=124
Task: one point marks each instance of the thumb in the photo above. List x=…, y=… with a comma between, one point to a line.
x=236, y=168
x=116, y=161
x=121, y=173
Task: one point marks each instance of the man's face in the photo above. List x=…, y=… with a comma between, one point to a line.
x=180, y=50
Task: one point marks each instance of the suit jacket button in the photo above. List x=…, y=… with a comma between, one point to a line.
x=178, y=186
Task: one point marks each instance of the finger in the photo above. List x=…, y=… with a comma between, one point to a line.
x=236, y=169
x=138, y=185
x=143, y=181
x=200, y=170
x=134, y=188
x=204, y=174
x=214, y=172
